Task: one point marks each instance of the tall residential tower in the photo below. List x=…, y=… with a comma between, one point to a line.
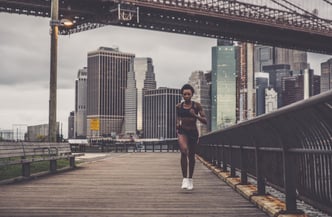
x=80, y=103
x=202, y=95
x=145, y=80
x=159, y=114
x=107, y=82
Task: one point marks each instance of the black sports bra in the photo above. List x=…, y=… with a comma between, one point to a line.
x=182, y=112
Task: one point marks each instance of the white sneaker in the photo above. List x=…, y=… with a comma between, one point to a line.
x=190, y=184
x=184, y=183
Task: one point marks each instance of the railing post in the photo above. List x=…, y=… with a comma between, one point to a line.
x=224, y=163
x=218, y=156
x=260, y=179
x=289, y=181
x=233, y=174
x=53, y=166
x=244, y=175
x=213, y=155
x=72, y=162
x=26, y=169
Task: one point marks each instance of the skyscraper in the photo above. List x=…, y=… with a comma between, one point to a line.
x=295, y=58
x=276, y=73
x=201, y=95
x=145, y=80
x=293, y=89
x=263, y=56
x=262, y=82
x=159, y=114
x=266, y=55
x=271, y=100
x=131, y=103
x=223, y=87
x=71, y=121
x=246, y=83
x=326, y=76
x=299, y=87
x=80, y=103
x=107, y=82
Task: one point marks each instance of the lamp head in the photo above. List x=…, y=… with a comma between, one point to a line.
x=66, y=22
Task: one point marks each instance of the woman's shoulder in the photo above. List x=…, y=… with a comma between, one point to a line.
x=197, y=105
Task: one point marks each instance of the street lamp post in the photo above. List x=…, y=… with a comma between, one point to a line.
x=52, y=128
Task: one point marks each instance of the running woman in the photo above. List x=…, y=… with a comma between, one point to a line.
x=188, y=112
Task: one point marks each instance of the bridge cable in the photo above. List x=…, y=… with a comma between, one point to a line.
x=327, y=1
x=322, y=20
x=301, y=9
x=284, y=6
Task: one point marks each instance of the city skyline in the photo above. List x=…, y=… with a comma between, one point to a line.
x=24, y=66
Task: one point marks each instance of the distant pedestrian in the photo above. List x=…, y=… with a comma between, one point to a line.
x=188, y=112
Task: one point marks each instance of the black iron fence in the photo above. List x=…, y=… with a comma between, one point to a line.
x=109, y=145
x=289, y=149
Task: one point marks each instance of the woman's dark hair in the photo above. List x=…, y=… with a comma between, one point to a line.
x=187, y=87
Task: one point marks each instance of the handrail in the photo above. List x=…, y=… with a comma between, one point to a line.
x=290, y=148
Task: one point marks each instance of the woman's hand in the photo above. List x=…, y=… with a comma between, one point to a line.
x=192, y=112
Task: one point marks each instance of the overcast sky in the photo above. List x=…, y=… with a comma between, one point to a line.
x=25, y=58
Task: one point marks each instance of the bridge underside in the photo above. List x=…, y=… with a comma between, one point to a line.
x=89, y=14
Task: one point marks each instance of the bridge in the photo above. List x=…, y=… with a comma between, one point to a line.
x=288, y=26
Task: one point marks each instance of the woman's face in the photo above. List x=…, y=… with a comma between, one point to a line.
x=187, y=94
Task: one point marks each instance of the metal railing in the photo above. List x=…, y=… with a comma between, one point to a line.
x=167, y=145
x=289, y=149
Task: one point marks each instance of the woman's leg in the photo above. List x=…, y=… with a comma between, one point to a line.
x=183, y=141
x=192, y=161
x=191, y=156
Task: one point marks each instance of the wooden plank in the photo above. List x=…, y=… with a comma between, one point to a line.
x=127, y=184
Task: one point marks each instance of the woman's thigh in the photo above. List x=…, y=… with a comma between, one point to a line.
x=192, y=141
x=183, y=142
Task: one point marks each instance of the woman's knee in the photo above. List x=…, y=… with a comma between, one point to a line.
x=184, y=151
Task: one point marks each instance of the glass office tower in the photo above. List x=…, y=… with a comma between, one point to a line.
x=326, y=76
x=223, y=87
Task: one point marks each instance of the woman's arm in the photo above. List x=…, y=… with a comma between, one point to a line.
x=178, y=118
x=201, y=117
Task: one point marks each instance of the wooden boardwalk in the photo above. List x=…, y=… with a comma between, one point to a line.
x=128, y=184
